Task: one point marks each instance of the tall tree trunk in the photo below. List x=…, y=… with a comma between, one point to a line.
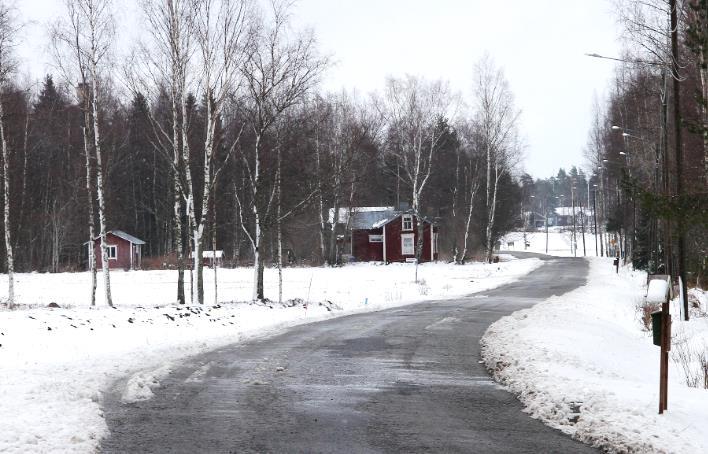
x=213, y=249
x=258, y=294
x=320, y=194
x=23, y=195
x=279, y=226
x=236, y=245
x=474, y=186
x=455, y=188
x=99, y=184
x=491, y=209
x=7, y=226
x=184, y=131
x=91, y=217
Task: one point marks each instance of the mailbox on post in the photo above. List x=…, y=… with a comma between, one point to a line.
x=658, y=292
x=656, y=327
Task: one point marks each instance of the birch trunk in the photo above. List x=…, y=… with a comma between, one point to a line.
x=257, y=240
x=176, y=95
x=91, y=218
x=279, y=227
x=491, y=214
x=323, y=225
x=99, y=179
x=455, y=249
x=213, y=251
x=7, y=227
x=473, y=193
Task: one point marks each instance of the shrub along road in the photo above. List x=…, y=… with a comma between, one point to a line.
x=401, y=380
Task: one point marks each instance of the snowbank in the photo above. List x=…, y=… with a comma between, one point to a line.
x=56, y=363
x=583, y=364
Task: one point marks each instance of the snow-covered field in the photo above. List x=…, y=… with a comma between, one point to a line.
x=56, y=363
x=583, y=363
x=559, y=242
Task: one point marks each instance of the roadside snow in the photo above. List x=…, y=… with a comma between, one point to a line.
x=583, y=364
x=56, y=363
x=559, y=242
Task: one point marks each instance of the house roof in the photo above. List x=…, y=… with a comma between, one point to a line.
x=568, y=211
x=126, y=237
x=362, y=217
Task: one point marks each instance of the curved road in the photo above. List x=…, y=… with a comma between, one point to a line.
x=407, y=379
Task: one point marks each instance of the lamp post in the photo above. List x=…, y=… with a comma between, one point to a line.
x=673, y=67
x=594, y=214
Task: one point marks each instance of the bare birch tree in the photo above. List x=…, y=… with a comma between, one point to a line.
x=8, y=30
x=415, y=111
x=468, y=163
x=81, y=43
x=342, y=128
x=166, y=60
x=496, y=118
x=279, y=70
x=222, y=36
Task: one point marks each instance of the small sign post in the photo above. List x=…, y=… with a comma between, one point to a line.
x=658, y=292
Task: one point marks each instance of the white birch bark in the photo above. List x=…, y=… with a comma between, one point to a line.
x=6, y=212
x=7, y=42
x=278, y=71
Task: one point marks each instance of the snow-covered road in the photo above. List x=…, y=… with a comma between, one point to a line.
x=55, y=364
x=407, y=379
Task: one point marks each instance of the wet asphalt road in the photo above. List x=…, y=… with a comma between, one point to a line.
x=402, y=380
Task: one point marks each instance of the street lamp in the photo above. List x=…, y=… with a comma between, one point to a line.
x=672, y=67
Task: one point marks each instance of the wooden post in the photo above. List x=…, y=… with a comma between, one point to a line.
x=664, y=357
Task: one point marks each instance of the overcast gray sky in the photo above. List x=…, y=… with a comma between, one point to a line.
x=539, y=44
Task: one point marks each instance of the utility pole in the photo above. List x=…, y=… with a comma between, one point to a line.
x=574, y=245
x=582, y=226
x=545, y=218
x=681, y=265
x=594, y=215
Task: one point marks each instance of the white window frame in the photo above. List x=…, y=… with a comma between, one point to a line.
x=108, y=251
x=375, y=238
x=407, y=219
x=404, y=250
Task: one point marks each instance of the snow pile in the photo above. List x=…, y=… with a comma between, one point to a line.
x=583, y=364
x=55, y=363
x=140, y=385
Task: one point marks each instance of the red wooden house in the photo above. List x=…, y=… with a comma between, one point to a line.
x=124, y=250
x=386, y=235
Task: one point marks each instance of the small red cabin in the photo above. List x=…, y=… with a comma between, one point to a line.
x=124, y=250
x=385, y=235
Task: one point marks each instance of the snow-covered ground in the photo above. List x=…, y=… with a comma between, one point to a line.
x=56, y=363
x=559, y=242
x=583, y=363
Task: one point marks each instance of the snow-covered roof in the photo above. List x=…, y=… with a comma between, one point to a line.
x=210, y=254
x=568, y=211
x=383, y=222
x=362, y=217
x=120, y=234
x=365, y=218
x=127, y=237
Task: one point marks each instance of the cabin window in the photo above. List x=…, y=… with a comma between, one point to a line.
x=407, y=222
x=407, y=244
x=375, y=238
x=112, y=252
